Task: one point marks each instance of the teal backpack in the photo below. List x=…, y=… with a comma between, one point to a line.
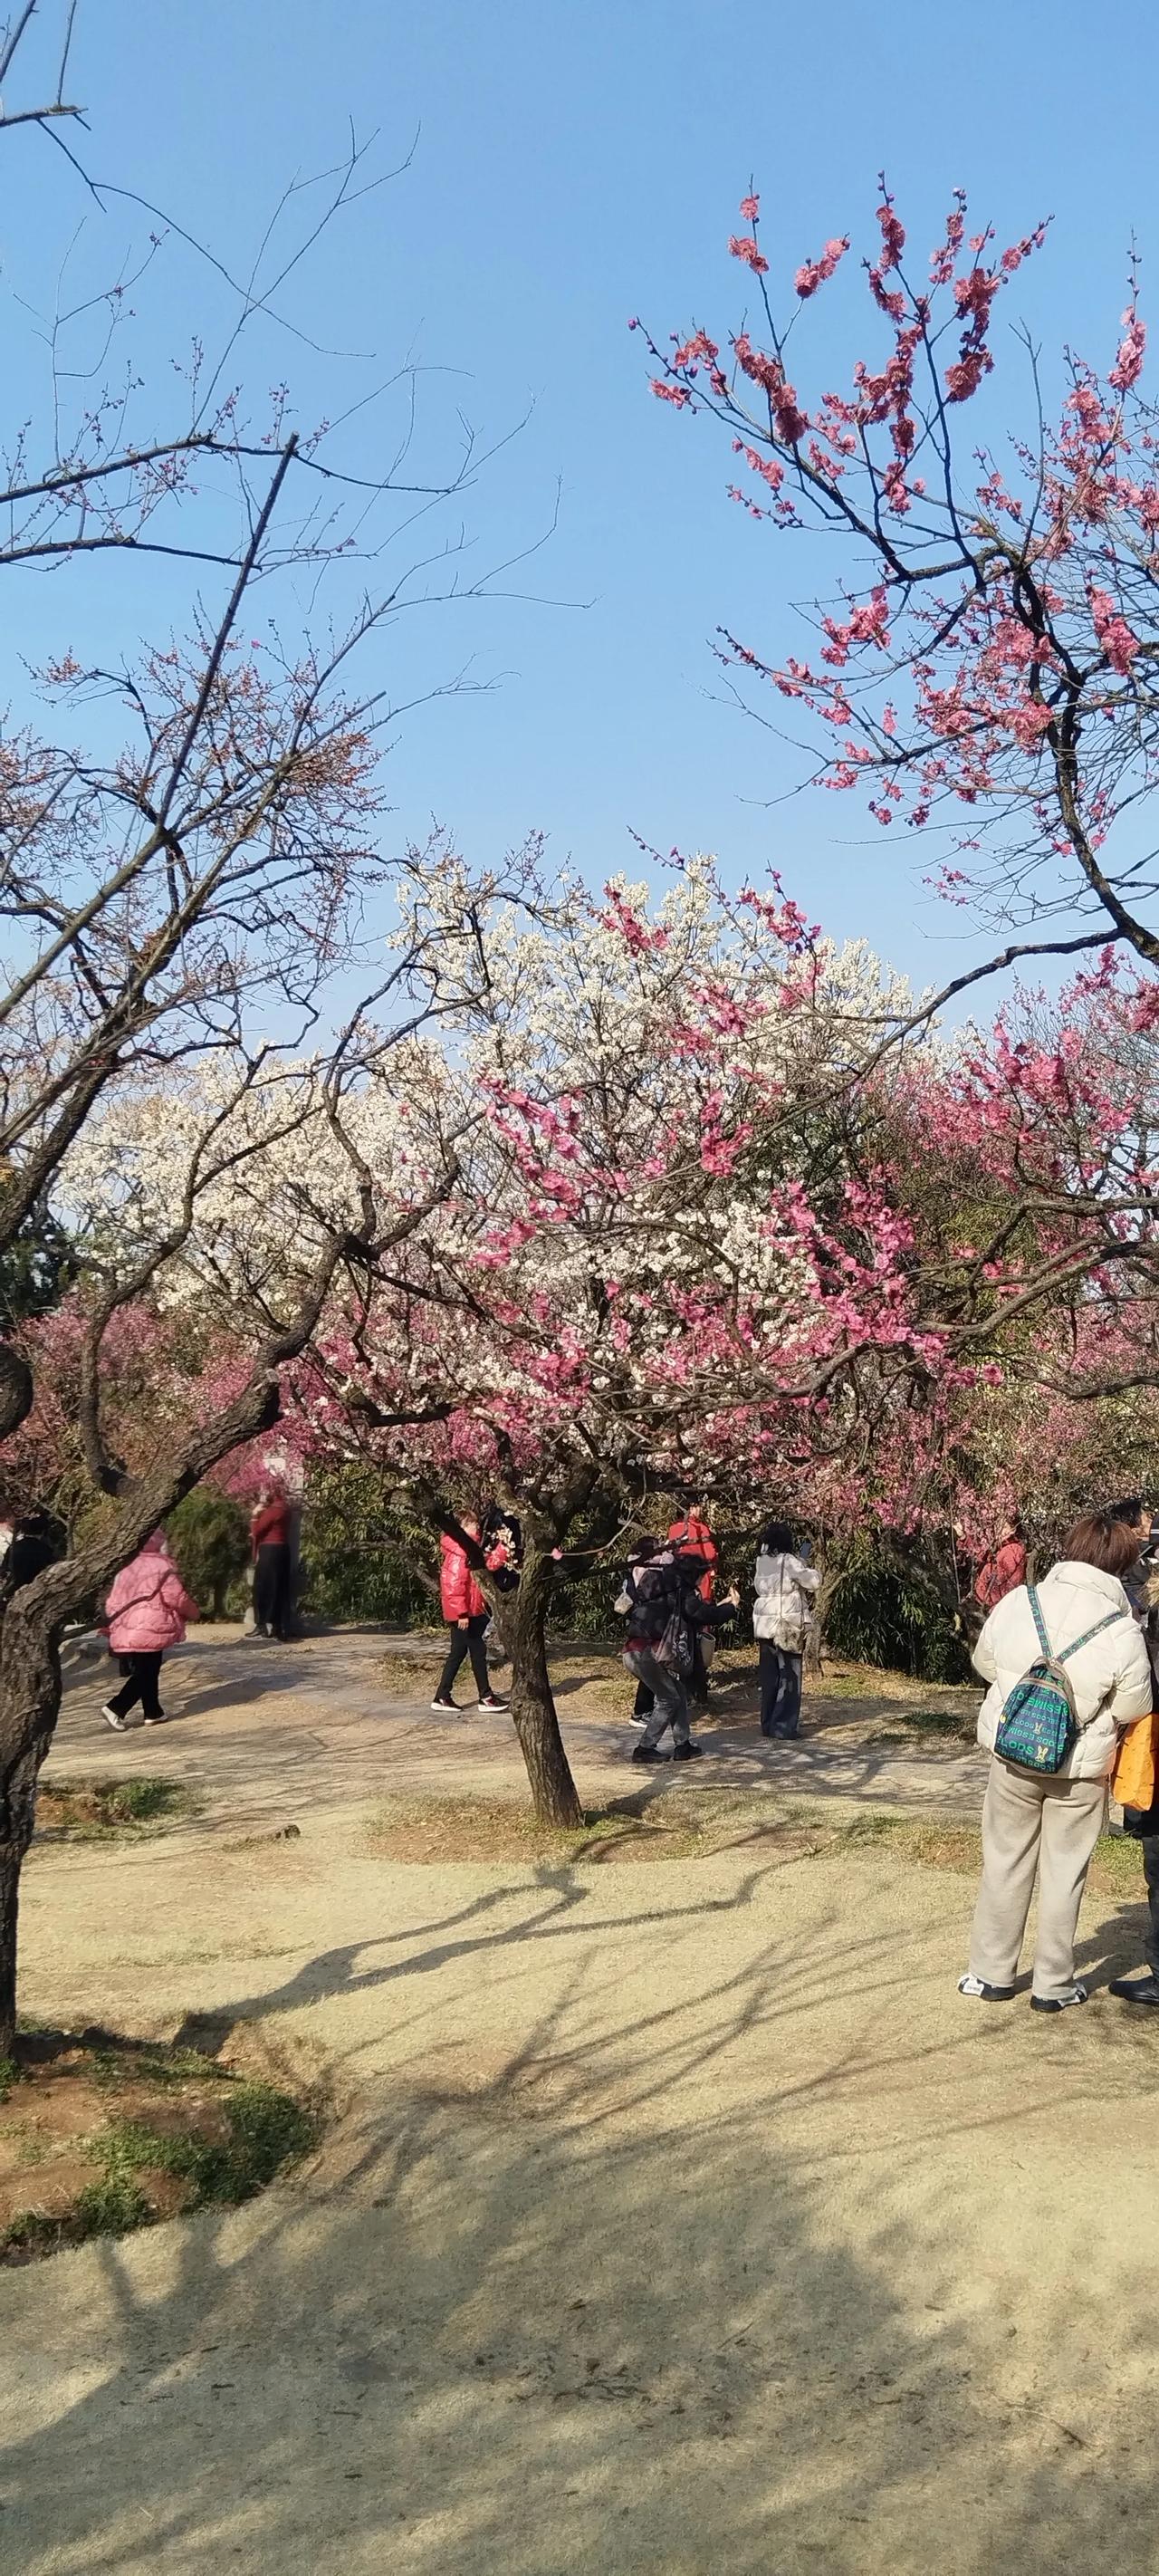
x=1039, y=1723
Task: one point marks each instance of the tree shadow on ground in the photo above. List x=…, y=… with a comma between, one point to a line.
x=771, y=2278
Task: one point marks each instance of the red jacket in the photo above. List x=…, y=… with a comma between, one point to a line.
x=458, y=1590
x=694, y=1538
x=1001, y=1573
x=271, y=1526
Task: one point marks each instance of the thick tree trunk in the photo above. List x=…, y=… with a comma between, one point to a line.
x=29, y=1702
x=554, y=1796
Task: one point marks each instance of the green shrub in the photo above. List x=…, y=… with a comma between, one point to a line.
x=886, y=1609
x=362, y=1557
x=209, y=1535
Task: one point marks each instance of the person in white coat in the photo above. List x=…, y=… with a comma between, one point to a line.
x=1049, y=1823
x=782, y=1618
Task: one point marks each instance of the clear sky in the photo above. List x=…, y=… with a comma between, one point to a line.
x=576, y=164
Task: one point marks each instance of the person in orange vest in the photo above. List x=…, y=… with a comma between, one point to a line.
x=691, y=1536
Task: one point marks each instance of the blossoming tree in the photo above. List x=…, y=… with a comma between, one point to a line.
x=985, y=671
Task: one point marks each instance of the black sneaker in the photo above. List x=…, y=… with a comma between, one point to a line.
x=979, y=1992
x=689, y=1752
x=445, y=1707
x=1137, y=1990
x=493, y=1703
x=1058, y=2003
x=648, y=1753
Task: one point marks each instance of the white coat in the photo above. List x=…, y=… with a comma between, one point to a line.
x=783, y=1606
x=1110, y=1678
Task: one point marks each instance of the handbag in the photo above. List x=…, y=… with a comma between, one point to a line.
x=1133, y=1777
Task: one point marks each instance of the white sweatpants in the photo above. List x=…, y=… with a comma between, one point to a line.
x=1031, y=1824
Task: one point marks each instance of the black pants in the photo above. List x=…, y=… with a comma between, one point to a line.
x=1151, y=1874
x=466, y=1641
x=272, y=1587
x=780, y=1690
x=141, y=1685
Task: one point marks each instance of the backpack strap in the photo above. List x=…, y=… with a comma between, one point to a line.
x=1040, y=1623
x=1109, y=1622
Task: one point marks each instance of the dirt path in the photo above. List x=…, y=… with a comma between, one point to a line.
x=675, y=2219
x=264, y=1734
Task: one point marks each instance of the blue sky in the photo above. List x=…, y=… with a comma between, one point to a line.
x=576, y=164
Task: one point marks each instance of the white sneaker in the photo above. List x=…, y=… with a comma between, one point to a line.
x=112, y=1717
x=979, y=1992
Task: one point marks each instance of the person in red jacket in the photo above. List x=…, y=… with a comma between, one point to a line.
x=466, y=1613
x=1004, y=1570
x=691, y=1536
x=270, y=1540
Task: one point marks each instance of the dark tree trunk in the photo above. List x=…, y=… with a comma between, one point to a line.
x=554, y=1797
x=29, y=1703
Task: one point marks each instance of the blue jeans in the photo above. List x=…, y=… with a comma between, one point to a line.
x=780, y=1690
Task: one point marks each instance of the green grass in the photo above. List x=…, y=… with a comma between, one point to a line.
x=265, y=2130
x=9, y=2075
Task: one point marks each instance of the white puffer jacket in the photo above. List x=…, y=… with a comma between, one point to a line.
x=1110, y=1678
x=782, y=1605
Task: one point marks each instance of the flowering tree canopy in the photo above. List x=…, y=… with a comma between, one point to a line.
x=986, y=668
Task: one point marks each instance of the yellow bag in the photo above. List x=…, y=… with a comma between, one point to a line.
x=1133, y=1777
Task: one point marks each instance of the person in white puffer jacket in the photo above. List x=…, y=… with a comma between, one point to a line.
x=783, y=1589
x=1049, y=1823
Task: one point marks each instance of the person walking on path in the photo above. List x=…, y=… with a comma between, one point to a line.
x=146, y=1608
x=667, y=1612
x=782, y=1618
x=466, y=1613
x=1047, y=1823
x=270, y=1541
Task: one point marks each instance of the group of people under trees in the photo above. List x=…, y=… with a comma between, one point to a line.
x=1071, y=1664
x=673, y=1616
x=147, y=1608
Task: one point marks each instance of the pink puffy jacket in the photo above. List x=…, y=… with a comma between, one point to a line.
x=147, y=1606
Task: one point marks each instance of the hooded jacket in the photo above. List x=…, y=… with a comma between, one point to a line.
x=458, y=1590
x=1110, y=1678
x=693, y=1537
x=147, y=1605
x=783, y=1600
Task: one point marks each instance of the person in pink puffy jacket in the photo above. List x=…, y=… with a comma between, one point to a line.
x=146, y=1608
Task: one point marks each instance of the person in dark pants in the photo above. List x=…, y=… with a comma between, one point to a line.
x=146, y=1608
x=666, y=1612
x=782, y=1614
x=466, y=1613
x=144, y=1676
x=270, y=1539
x=640, y=1554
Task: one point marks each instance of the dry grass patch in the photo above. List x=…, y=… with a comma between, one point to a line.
x=655, y=1824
